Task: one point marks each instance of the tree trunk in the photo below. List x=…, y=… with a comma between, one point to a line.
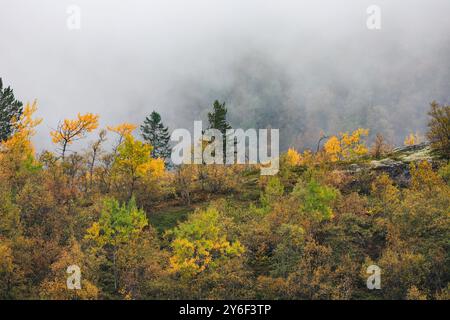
x=115, y=269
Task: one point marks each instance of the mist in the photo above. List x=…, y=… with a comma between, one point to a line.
x=304, y=67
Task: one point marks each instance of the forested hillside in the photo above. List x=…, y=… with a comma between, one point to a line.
x=140, y=228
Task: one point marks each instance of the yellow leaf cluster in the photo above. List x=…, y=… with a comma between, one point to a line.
x=347, y=145
x=424, y=178
x=75, y=129
x=6, y=261
x=355, y=137
x=294, y=158
x=411, y=139
x=201, y=243
x=123, y=129
x=386, y=194
x=20, y=141
x=333, y=148
x=134, y=159
x=194, y=257
x=155, y=167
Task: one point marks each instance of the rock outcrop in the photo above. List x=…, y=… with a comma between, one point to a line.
x=396, y=164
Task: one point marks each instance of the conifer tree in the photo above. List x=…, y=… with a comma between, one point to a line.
x=218, y=120
x=157, y=135
x=10, y=110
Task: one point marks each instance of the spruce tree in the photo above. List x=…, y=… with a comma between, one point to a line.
x=10, y=110
x=156, y=134
x=218, y=120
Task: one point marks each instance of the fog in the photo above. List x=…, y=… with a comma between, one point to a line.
x=300, y=66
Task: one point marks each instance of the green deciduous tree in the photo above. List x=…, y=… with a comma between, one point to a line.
x=439, y=129
x=117, y=226
x=201, y=244
x=134, y=161
x=315, y=199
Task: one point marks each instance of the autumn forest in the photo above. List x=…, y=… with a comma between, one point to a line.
x=109, y=201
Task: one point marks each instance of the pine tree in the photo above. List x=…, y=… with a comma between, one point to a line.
x=154, y=132
x=10, y=109
x=218, y=120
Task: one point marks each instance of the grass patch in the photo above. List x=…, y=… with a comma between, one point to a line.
x=168, y=218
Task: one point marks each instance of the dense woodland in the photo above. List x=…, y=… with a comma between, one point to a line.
x=141, y=228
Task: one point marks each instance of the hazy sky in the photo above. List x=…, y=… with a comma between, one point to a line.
x=302, y=66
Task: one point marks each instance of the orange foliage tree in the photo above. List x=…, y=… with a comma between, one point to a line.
x=293, y=158
x=72, y=130
x=123, y=130
x=411, y=139
x=18, y=150
x=346, y=145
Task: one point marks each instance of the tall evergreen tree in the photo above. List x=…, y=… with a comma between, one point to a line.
x=218, y=120
x=155, y=133
x=10, y=109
